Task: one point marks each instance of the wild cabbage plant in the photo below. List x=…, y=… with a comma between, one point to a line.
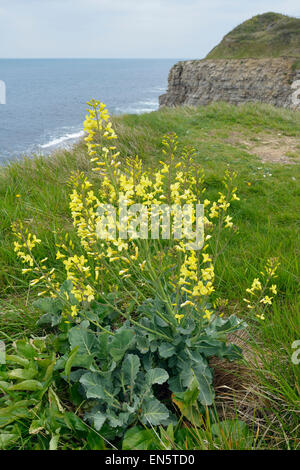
x=137, y=306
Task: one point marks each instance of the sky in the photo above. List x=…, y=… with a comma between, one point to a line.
x=124, y=28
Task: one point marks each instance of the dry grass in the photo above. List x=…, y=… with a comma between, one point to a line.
x=238, y=393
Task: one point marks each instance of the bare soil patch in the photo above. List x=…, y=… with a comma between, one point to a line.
x=270, y=148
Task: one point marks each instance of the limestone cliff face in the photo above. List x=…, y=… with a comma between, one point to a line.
x=199, y=82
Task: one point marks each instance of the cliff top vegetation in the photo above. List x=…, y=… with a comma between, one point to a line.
x=267, y=35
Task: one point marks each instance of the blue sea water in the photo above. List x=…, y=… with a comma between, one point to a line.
x=46, y=98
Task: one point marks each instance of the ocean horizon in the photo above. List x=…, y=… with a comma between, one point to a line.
x=46, y=98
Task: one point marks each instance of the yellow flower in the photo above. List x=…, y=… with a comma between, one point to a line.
x=186, y=290
x=206, y=258
x=273, y=289
x=228, y=223
x=260, y=316
x=267, y=300
x=207, y=315
x=42, y=293
x=74, y=310
x=234, y=197
x=256, y=285
x=28, y=270
x=142, y=265
x=59, y=255
x=208, y=273
x=89, y=293
x=179, y=317
x=187, y=302
x=214, y=211
x=123, y=271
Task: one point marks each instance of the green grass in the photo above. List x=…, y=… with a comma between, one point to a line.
x=267, y=216
x=267, y=35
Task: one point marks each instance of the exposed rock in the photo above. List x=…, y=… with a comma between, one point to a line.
x=198, y=82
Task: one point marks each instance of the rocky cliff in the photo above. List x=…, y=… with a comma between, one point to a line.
x=199, y=82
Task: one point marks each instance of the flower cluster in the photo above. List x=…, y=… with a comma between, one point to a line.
x=164, y=265
x=262, y=290
x=24, y=247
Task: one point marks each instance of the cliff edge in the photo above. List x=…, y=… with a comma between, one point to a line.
x=224, y=77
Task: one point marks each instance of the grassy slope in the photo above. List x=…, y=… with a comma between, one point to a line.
x=267, y=216
x=267, y=35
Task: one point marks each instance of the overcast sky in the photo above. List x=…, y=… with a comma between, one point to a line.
x=124, y=28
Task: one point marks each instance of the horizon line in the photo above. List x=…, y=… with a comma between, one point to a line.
x=94, y=58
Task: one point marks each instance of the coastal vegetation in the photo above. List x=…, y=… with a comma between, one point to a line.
x=95, y=332
x=267, y=35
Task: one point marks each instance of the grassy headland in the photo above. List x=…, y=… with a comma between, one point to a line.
x=267, y=35
x=225, y=137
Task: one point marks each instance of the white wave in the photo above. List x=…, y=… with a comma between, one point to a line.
x=135, y=110
x=60, y=140
x=145, y=110
x=151, y=103
x=145, y=106
x=158, y=89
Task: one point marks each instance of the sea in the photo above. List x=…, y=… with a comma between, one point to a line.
x=45, y=99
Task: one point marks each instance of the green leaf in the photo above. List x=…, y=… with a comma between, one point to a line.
x=49, y=319
x=95, y=442
x=54, y=401
x=52, y=311
x=86, y=342
x=21, y=361
x=130, y=368
x=189, y=327
x=188, y=405
x=175, y=384
x=166, y=350
x=154, y=412
x=73, y=422
x=49, y=371
x=211, y=347
x=227, y=325
x=53, y=444
x=98, y=419
x=28, y=385
x=167, y=436
x=204, y=378
x=186, y=376
x=15, y=411
x=8, y=439
x=24, y=348
x=83, y=339
x=142, y=344
x=102, y=346
x=70, y=361
x=120, y=343
x=67, y=286
x=36, y=426
x=156, y=376
x=137, y=438
x=4, y=385
x=232, y=352
x=93, y=385
x=48, y=305
x=22, y=374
